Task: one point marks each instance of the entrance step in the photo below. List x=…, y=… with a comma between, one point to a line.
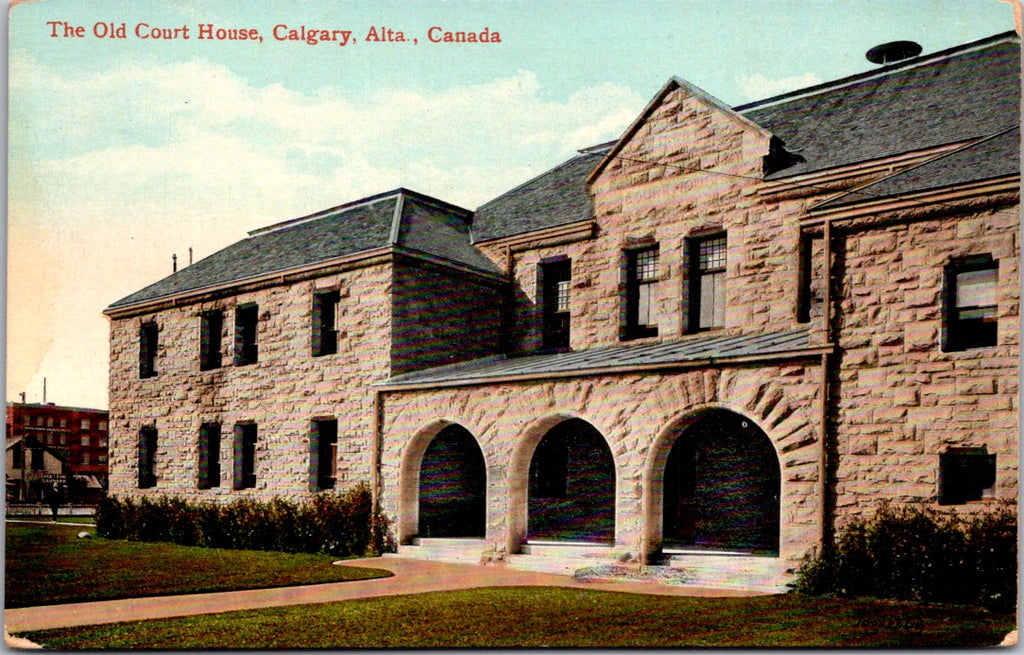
x=731, y=571
x=467, y=551
x=565, y=558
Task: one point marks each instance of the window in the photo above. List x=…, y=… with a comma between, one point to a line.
x=971, y=304
x=555, y=281
x=17, y=456
x=64, y=423
x=245, y=456
x=210, y=327
x=49, y=421
x=86, y=424
x=38, y=463
x=102, y=426
x=147, y=350
x=209, y=456
x=707, y=283
x=966, y=474
x=641, y=274
x=147, y=458
x=245, y=335
x=85, y=440
x=323, y=454
x=324, y=327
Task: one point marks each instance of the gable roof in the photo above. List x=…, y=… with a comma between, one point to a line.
x=958, y=95
x=691, y=89
x=401, y=218
x=988, y=159
x=968, y=92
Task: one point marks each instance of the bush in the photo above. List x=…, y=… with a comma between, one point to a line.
x=920, y=554
x=336, y=524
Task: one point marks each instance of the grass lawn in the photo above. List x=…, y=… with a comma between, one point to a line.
x=555, y=617
x=46, y=564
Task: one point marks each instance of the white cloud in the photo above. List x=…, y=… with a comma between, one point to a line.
x=115, y=171
x=757, y=86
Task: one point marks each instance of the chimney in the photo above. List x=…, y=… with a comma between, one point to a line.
x=174, y=263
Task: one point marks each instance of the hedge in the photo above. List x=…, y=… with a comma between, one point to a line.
x=921, y=554
x=342, y=524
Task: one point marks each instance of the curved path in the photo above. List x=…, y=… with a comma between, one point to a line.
x=410, y=577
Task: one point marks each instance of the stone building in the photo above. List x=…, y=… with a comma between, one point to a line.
x=706, y=343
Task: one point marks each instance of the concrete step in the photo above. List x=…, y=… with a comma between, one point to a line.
x=731, y=571
x=469, y=551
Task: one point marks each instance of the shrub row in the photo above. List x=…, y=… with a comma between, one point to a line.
x=332, y=523
x=921, y=554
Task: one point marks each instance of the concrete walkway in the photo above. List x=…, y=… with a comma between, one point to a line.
x=410, y=577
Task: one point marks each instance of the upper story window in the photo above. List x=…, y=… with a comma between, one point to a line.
x=245, y=456
x=971, y=304
x=323, y=454
x=147, y=350
x=210, y=329
x=147, y=457
x=641, y=274
x=246, y=348
x=325, y=326
x=707, y=283
x=555, y=280
x=209, y=456
x=86, y=424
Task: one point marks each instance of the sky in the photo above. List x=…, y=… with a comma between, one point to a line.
x=126, y=150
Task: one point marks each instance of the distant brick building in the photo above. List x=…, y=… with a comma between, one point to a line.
x=706, y=343
x=77, y=437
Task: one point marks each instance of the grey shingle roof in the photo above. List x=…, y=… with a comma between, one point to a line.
x=554, y=198
x=959, y=94
x=426, y=225
x=696, y=348
x=991, y=158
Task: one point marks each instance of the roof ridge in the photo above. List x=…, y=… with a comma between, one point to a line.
x=903, y=65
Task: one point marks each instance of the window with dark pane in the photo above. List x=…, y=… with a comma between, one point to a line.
x=556, y=282
x=323, y=454
x=147, y=350
x=246, y=349
x=324, y=323
x=210, y=326
x=147, y=457
x=707, y=292
x=965, y=475
x=209, y=455
x=641, y=274
x=971, y=304
x=245, y=456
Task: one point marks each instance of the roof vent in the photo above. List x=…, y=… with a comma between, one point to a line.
x=887, y=53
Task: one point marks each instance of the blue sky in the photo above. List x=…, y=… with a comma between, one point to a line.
x=124, y=151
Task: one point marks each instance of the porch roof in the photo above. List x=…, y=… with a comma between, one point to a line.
x=694, y=350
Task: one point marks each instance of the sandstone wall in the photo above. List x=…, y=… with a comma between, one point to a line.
x=900, y=400
x=281, y=393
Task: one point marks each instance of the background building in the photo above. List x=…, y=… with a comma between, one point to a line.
x=77, y=437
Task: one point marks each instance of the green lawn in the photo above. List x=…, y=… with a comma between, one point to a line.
x=47, y=564
x=555, y=617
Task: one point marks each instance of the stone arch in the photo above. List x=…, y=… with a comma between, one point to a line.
x=443, y=475
x=739, y=481
x=588, y=453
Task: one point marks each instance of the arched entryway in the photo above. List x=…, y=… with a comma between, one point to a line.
x=721, y=487
x=571, y=488
x=452, y=486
